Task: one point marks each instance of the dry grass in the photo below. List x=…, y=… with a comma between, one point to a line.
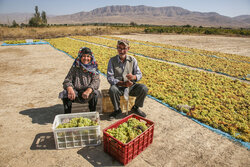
x=62, y=31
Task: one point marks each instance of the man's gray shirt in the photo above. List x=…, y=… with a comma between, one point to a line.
x=111, y=74
x=110, y=71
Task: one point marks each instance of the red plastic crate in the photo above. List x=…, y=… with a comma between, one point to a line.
x=124, y=153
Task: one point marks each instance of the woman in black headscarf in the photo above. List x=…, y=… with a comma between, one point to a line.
x=82, y=82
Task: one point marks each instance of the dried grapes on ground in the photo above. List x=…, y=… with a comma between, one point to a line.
x=216, y=100
x=19, y=41
x=188, y=50
x=235, y=66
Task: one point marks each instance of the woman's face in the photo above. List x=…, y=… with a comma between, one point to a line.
x=85, y=59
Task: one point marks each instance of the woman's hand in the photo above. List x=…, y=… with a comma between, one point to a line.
x=85, y=95
x=71, y=93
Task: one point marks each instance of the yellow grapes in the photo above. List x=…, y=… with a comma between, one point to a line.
x=215, y=100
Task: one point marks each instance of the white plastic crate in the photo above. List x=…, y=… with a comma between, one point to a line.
x=29, y=40
x=77, y=136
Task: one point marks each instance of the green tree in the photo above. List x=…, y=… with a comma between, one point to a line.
x=37, y=13
x=133, y=23
x=44, y=17
x=14, y=24
x=22, y=25
x=33, y=22
x=38, y=20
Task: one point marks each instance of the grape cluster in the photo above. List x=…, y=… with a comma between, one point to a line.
x=129, y=130
x=77, y=122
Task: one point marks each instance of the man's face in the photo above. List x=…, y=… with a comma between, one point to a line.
x=122, y=49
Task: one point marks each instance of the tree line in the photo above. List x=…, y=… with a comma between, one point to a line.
x=188, y=29
x=38, y=20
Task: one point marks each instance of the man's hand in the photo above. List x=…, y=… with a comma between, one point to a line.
x=71, y=93
x=128, y=83
x=85, y=95
x=125, y=84
x=131, y=77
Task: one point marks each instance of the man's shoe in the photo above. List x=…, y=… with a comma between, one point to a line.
x=114, y=114
x=137, y=111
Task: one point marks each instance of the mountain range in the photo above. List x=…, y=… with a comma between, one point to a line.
x=139, y=14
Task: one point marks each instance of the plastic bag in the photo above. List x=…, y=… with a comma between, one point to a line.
x=126, y=93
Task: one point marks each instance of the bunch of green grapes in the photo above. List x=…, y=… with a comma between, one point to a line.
x=129, y=130
x=77, y=122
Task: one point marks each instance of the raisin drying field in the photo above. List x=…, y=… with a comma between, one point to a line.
x=31, y=78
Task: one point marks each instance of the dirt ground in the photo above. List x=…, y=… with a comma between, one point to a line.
x=30, y=80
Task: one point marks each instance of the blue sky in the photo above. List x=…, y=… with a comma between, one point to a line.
x=59, y=7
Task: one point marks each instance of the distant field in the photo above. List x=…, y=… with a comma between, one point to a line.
x=7, y=33
x=62, y=31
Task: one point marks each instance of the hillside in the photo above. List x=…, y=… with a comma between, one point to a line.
x=18, y=17
x=143, y=15
x=151, y=15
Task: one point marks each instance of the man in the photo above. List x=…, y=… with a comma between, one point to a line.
x=123, y=73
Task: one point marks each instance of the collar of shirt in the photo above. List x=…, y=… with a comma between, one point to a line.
x=126, y=59
x=119, y=60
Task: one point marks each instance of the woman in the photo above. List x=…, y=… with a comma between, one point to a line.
x=82, y=82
